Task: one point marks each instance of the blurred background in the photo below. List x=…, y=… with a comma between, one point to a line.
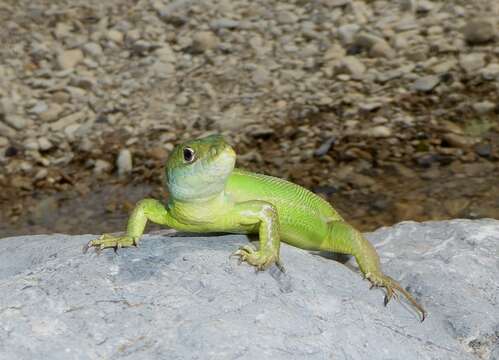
x=388, y=109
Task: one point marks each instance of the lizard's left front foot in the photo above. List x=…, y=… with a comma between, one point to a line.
x=392, y=287
x=262, y=260
x=109, y=241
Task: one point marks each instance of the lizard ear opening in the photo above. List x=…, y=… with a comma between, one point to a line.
x=189, y=155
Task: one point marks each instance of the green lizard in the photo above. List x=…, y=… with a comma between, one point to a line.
x=208, y=194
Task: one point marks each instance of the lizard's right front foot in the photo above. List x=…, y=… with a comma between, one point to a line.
x=109, y=241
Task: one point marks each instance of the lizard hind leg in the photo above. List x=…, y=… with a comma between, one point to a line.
x=343, y=238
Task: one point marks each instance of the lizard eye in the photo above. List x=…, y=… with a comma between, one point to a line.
x=189, y=155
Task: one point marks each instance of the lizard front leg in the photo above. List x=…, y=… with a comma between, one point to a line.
x=263, y=216
x=146, y=209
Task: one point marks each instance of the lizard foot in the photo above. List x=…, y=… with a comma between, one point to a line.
x=109, y=241
x=262, y=260
x=393, y=289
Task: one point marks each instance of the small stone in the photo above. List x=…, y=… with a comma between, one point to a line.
x=52, y=113
x=483, y=107
x=347, y=32
x=115, y=36
x=219, y=24
x=490, y=72
x=182, y=99
x=40, y=107
x=484, y=150
x=382, y=49
x=165, y=54
x=351, y=66
x=261, y=76
x=472, y=62
x=162, y=70
x=44, y=144
x=204, y=40
x=31, y=144
x=102, y=166
x=68, y=59
x=41, y=174
x=379, y=131
x=68, y=120
x=93, y=49
x=286, y=17
x=459, y=141
x=479, y=31
x=426, y=83
x=16, y=121
x=124, y=162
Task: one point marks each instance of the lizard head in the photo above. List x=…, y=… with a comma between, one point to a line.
x=199, y=169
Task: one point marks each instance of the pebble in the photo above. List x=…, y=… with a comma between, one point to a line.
x=490, y=72
x=286, y=17
x=115, y=36
x=351, y=66
x=471, y=63
x=44, y=144
x=165, y=54
x=52, y=113
x=261, y=76
x=68, y=59
x=347, y=32
x=124, y=162
x=203, y=41
x=484, y=107
x=93, y=49
x=67, y=120
x=102, y=166
x=219, y=24
x=379, y=131
x=16, y=121
x=426, y=83
x=479, y=31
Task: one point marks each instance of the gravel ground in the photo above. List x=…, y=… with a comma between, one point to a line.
x=337, y=95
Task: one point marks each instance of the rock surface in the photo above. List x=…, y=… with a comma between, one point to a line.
x=183, y=298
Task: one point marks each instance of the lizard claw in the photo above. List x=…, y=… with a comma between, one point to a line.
x=393, y=289
x=109, y=241
x=261, y=260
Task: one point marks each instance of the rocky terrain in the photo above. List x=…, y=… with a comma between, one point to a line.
x=183, y=298
x=391, y=105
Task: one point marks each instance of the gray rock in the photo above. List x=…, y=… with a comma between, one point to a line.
x=479, y=31
x=184, y=297
x=426, y=83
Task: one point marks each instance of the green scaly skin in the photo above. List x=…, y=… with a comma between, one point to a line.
x=207, y=194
